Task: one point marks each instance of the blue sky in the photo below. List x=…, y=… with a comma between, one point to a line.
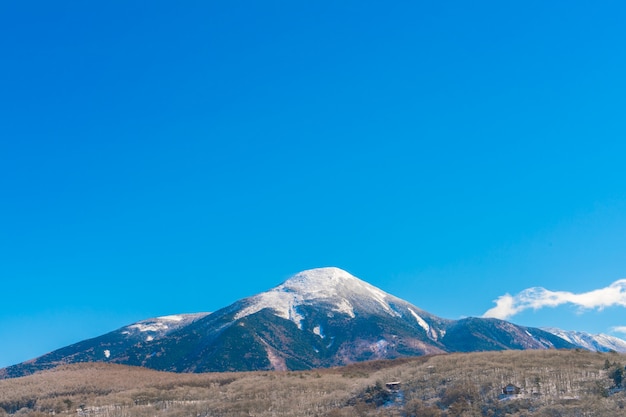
x=159, y=159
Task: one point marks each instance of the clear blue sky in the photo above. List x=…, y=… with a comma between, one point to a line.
x=159, y=159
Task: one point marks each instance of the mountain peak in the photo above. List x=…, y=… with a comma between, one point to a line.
x=320, y=279
x=330, y=272
x=331, y=285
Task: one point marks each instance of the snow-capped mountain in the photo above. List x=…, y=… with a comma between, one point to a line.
x=317, y=318
x=593, y=342
x=339, y=292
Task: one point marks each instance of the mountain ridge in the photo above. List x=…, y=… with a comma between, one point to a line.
x=317, y=318
x=595, y=342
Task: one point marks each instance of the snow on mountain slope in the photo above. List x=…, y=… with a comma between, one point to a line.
x=333, y=286
x=430, y=331
x=594, y=342
x=160, y=326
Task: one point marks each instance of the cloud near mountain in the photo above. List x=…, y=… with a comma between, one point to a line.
x=619, y=329
x=536, y=298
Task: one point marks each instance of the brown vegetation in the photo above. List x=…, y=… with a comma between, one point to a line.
x=553, y=383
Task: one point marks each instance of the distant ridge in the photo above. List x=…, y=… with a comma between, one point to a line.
x=317, y=318
x=593, y=342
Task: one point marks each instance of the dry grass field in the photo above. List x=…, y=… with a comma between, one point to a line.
x=552, y=383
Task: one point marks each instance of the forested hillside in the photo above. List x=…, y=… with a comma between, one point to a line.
x=551, y=383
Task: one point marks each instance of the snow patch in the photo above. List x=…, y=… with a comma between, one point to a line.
x=380, y=347
x=165, y=323
x=332, y=341
x=174, y=317
x=420, y=320
x=345, y=307
x=149, y=339
x=318, y=331
x=107, y=353
x=431, y=331
x=282, y=303
x=149, y=327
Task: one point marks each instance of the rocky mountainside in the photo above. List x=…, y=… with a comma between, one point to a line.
x=317, y=318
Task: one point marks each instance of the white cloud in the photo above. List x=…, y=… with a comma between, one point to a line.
x=537, y=297
x=619, y=329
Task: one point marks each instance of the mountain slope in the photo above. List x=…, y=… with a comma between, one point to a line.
x=317, y=318
x=478, y=334
x=593, y=342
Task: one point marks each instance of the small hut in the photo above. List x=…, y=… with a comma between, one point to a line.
x=393, y=386
x=511, y=389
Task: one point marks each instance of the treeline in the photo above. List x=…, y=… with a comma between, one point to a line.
x=548, y=383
